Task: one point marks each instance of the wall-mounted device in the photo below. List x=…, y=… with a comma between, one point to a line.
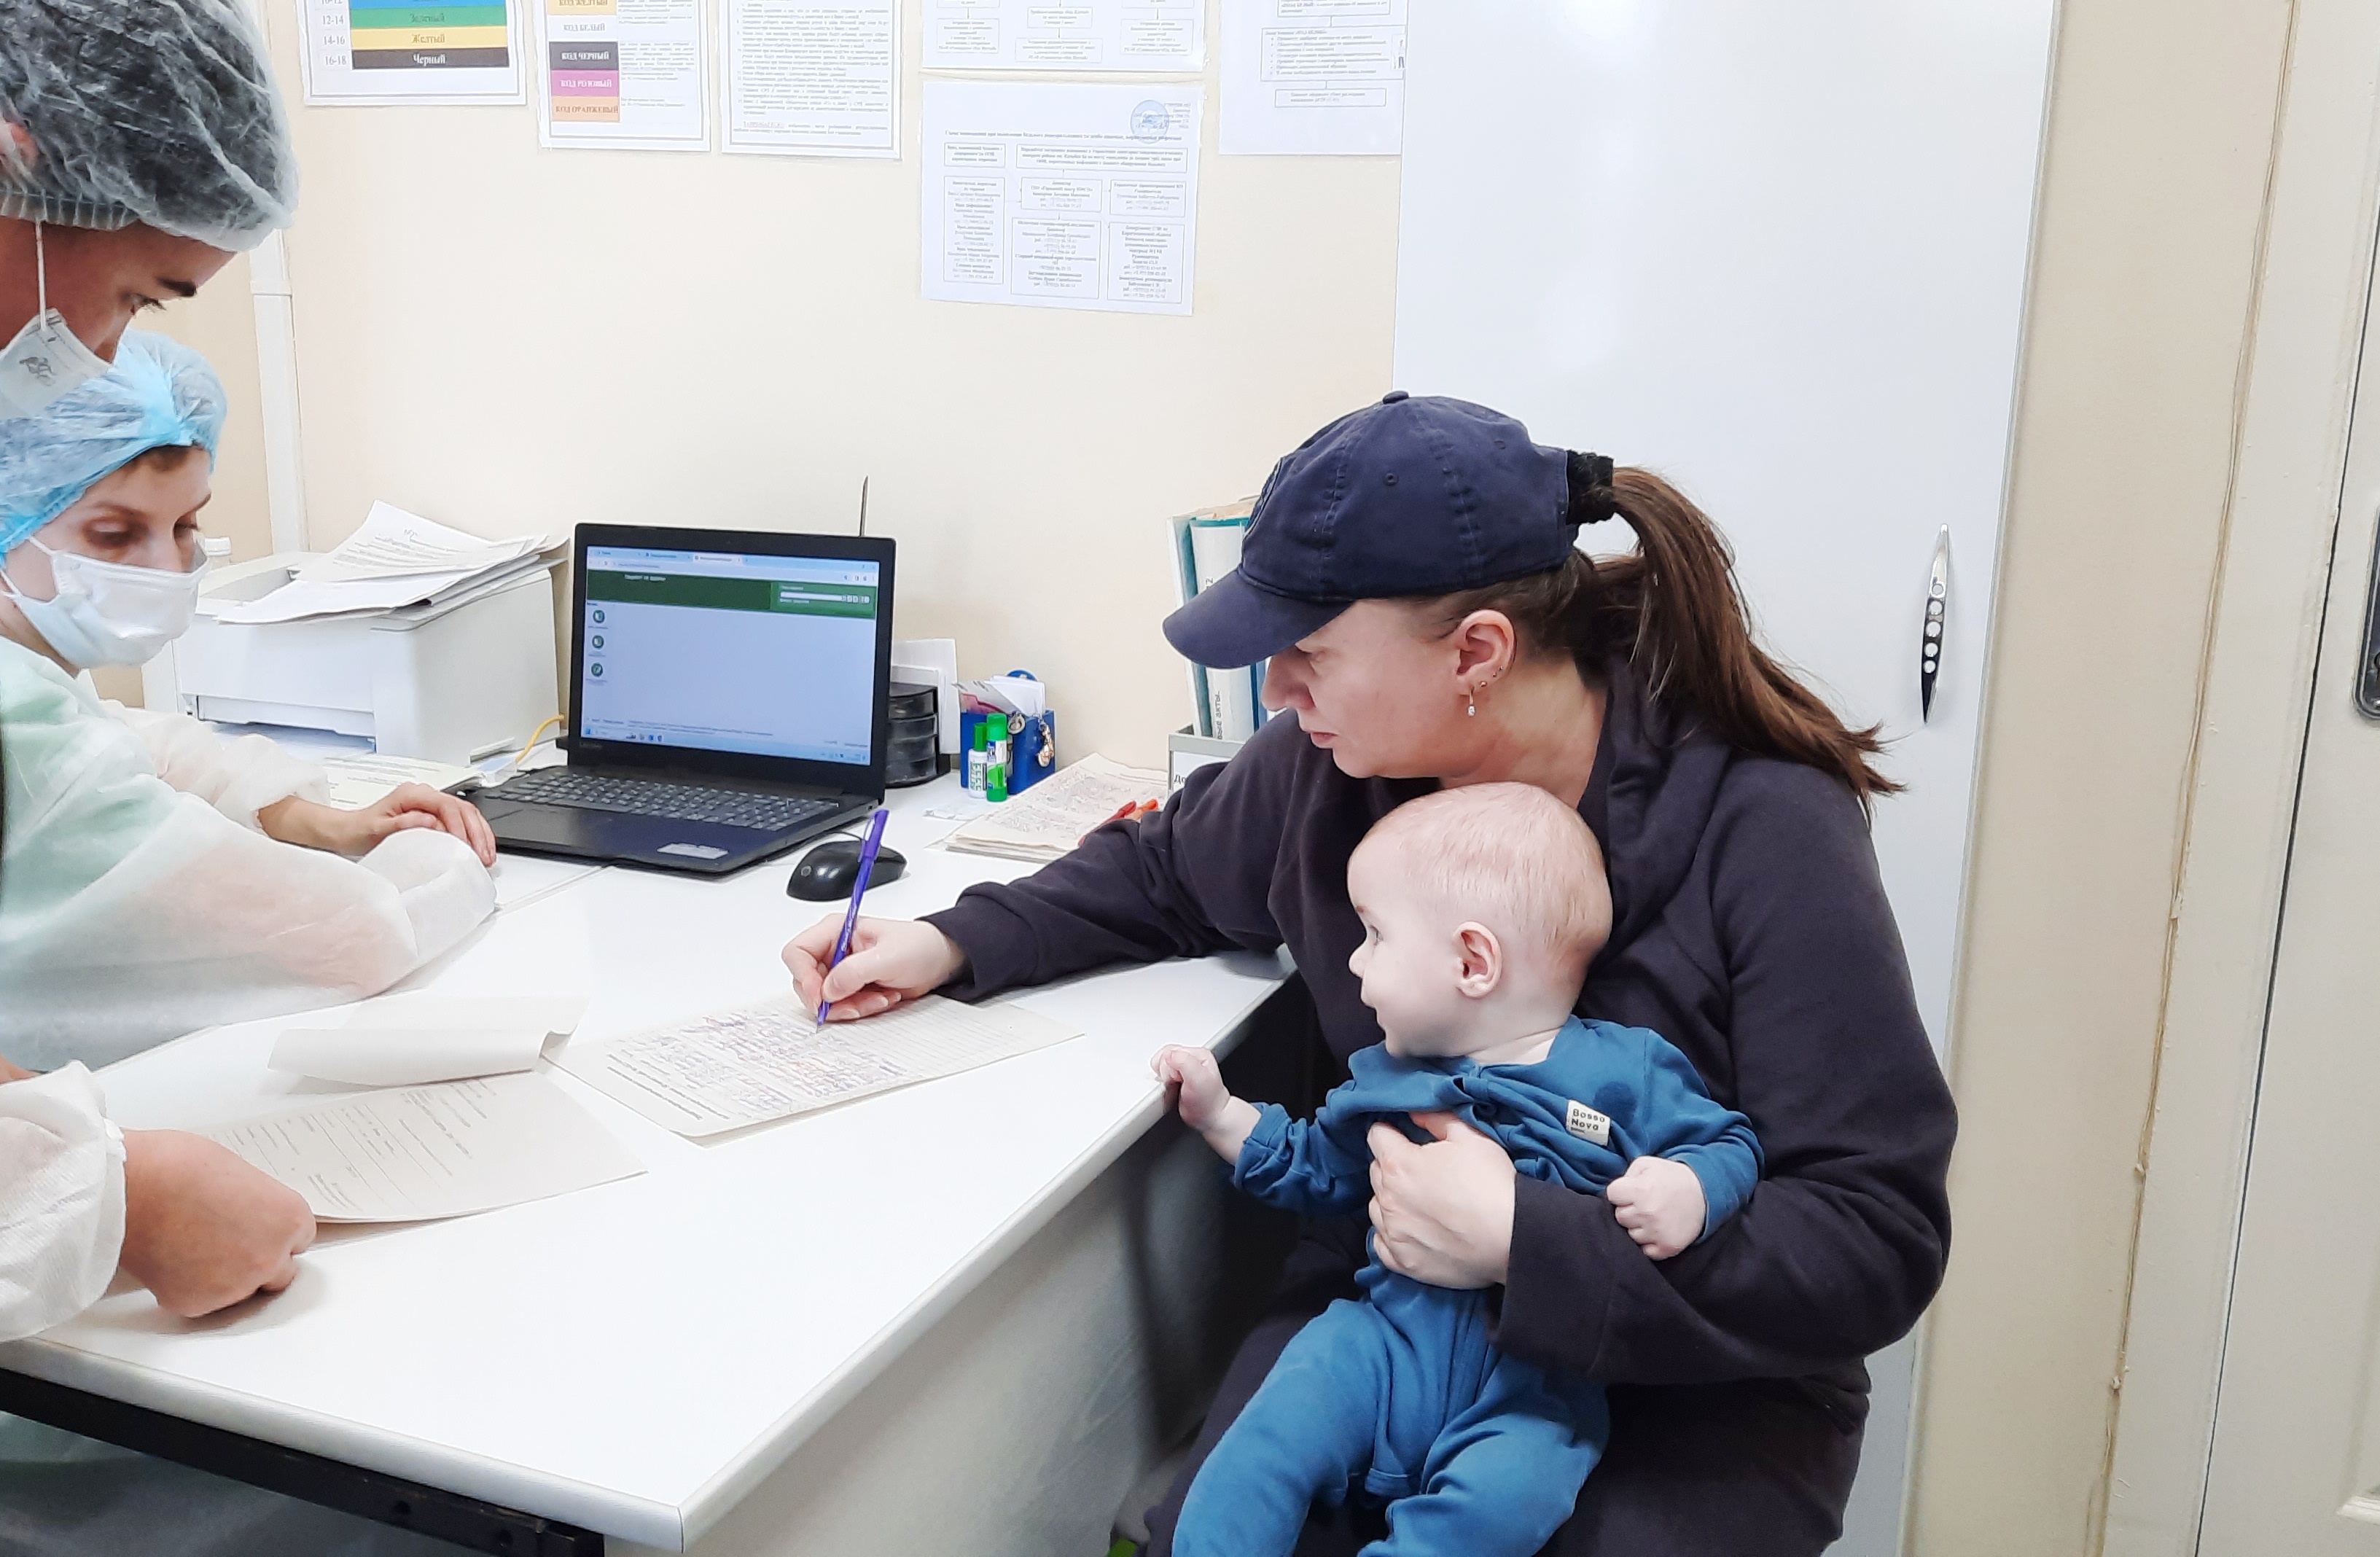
x=1937, y=622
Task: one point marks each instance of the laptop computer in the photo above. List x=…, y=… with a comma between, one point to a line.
x=727, y=699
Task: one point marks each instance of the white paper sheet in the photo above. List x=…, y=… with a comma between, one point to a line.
x=360, y=778
x=813, y=77
x=1059, y=195
x=769, y=1060
x=392, y=544
x=385, y=55
x=403, y=1041
x=1313, y=77
x=394, y=559
x=1066, y=34
x=418, y=1152
x=621, y=76
x=934, y=661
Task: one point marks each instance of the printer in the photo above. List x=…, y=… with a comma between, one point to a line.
x=452, y=680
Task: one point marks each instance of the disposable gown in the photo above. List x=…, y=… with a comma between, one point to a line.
x=142, y=903
x=61, y=1199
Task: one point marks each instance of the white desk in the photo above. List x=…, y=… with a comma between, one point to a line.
x=635, y=1358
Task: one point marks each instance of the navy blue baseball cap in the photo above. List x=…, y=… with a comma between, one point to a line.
x=1415, y=496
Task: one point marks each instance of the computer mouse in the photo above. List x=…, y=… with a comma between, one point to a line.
x=825, y=874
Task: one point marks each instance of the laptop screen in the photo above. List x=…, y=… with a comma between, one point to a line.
x=769, y=655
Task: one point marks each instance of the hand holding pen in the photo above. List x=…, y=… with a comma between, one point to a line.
x=858, y=890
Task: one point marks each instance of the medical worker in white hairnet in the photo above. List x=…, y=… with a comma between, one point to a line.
x=152, y=883
x=140, y=142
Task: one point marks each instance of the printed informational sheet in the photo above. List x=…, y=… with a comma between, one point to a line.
x=1057, y=195
x=418, y=1152
x=1314, y=77
x=1066, y=34
x=813, y=77
x=622, y=75
x=380, y=53
x=770, y=1059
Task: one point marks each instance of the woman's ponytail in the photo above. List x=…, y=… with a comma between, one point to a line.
x=1671, y=609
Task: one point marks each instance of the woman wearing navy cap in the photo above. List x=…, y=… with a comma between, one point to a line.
x=1412, y=572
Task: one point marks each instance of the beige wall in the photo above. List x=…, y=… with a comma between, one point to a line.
x=504, y=337
x=2161, y=130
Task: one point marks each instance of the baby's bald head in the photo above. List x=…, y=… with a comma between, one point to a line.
x=1509, y=856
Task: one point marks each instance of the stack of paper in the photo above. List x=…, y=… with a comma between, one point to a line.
x=395, y=560
x=770, y=1059
x=1050, y=819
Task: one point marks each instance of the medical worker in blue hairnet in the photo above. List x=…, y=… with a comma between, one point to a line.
x=151, y=886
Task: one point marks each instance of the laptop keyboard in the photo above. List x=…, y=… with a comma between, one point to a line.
x=678, y=802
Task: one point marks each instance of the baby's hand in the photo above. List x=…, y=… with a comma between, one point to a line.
x=1193, y=1083
x=1659, y=1200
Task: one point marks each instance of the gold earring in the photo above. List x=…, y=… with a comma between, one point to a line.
x=1472, y=695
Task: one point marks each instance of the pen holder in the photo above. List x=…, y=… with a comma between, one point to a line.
x=1033, y=751
x=1032, y=744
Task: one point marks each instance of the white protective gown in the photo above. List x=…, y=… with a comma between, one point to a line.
x=61, y=1199
x=141, y=902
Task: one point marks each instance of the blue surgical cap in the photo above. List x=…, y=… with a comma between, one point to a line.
x=159, y=394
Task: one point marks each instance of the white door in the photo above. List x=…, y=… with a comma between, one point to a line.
x=2296, y=1466
x=1777, y=253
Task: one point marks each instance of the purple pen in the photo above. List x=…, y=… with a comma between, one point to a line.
x=851, y=915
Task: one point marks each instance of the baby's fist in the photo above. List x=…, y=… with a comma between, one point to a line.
x=1193, y=1083
x=1659, y=1201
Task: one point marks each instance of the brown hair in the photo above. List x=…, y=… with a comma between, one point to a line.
x=1671, y=609
x=161, y=456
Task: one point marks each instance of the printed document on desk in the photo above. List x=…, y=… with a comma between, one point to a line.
x=1312, y=78
x=770, y=1059
x=1152, y=35
x=1048, y=820
x=419, y=1153
x=362, y=778
x=1059, y=195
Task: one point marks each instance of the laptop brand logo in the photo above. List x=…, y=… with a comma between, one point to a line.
x=697, y=851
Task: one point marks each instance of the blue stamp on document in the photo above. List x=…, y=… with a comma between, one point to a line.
x=1151, y=120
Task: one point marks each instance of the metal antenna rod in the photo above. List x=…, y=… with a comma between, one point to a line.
x=863, y=508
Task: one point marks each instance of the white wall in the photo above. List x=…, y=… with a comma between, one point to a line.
x=505, y=337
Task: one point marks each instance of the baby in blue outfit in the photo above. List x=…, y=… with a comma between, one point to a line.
x=1482, y=907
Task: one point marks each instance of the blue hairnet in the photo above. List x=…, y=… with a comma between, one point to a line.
x=155, y=111
x=158, y=394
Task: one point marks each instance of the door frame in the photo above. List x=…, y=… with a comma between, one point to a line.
x=2297, y=390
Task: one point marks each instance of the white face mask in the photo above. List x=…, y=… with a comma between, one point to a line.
x=44, y=360
x=109, y=613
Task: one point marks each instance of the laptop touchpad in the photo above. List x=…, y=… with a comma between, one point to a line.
x=542, y=825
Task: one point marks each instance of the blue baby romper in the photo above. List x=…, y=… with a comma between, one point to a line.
x=1400, y=1397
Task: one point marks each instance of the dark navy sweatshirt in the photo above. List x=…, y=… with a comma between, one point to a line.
x=1750, y=929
